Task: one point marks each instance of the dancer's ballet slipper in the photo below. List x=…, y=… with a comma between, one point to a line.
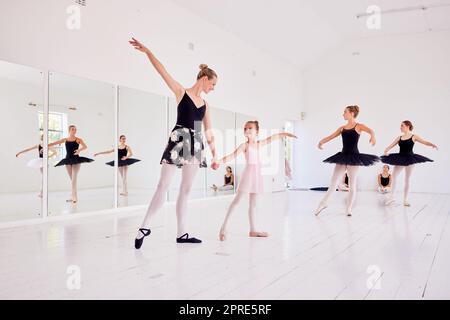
x=222, y=236
x=406, y=204
x=258, y=234
x=124, y=194
x=320, y=208
x=349, y=213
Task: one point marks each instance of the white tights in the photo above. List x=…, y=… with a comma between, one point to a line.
x=339, y=171
x=253, y=200
x=188, y=173
x=395, y=174
x=72, y=171
x=124, y=173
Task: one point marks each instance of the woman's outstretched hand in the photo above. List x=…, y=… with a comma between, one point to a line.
x=138, y=46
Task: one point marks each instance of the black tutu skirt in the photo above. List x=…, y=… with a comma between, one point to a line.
x=399, y=159
x=353, y=159
x=123, y=163
x=185, y=146
x=73, y=161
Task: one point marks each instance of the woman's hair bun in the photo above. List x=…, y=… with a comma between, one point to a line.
x=203, y=66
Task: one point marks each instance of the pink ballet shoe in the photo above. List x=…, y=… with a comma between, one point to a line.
x=258, y=234
x=222, y=236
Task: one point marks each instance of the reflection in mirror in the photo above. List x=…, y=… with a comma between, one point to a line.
x=221, y=181
x=81, y=121
x=198, y=189
x=143, y=121
x=21, y=156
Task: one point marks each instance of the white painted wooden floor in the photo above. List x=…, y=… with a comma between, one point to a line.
x=379, y=253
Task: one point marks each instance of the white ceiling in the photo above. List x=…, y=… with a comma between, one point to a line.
x=298, y=31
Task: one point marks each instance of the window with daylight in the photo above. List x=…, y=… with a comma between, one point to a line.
x=57, y=129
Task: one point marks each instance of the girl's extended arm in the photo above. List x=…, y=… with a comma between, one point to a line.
x=329, y=138
x=232, y=155
x=427, y=143
x=104, y=152
x=276, y=136
x=26, y=150
x=57, y=142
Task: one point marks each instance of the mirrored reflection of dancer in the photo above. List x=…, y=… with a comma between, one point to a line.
x=73, y=160
x=185, y=148
x=349, y=159
x=405, y=159
x=228, y=183
x=38, y=162
x=251, y=181
x=124, y=161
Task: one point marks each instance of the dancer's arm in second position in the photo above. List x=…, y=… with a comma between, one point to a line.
x=424, y=142
x=276, y=136
x=104, y=152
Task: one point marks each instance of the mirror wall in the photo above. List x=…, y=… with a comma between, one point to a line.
x=21, y=106
x=221, y=181
x=143, y=122
x=80, y=182
x=90, y=179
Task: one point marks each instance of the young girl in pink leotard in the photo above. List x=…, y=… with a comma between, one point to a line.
x=251, y=181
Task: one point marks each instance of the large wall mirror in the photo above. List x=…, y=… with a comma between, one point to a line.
x=221, y=181
x=142, y=138
x=82, y=112
x=97, y=132
x=21, y=156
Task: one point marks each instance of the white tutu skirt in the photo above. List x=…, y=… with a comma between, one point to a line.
x=35, y=163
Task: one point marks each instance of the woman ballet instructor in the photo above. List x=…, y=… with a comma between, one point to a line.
x=185, y=149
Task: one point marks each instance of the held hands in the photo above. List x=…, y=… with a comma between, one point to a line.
x=215, y=164
x=138, y=46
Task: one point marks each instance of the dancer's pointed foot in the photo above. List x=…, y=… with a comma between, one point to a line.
x=222, y=235
x=185, y=239
x=406, y=203
x=320, y=208
x=349, y=213
x=140, y=238
x=258, y=234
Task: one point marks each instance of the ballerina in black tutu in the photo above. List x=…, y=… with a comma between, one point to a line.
x=349, y=159
x=72, y=161
x=405, y=159
x=124, y=156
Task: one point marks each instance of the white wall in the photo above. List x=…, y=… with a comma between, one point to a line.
x=393, y=79
x=100, y=50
